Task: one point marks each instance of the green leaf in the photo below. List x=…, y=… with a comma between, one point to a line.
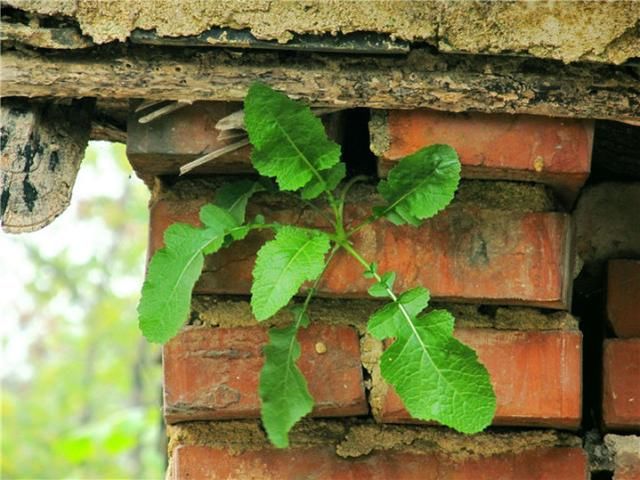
x=233, y=197
x=380, y=289
x=171, y=275
x=330, y=180
x=298, y=311
x=216, y=218
x=437, y=377
x=289, y=142
x=390, y=319
x=371, y=271
x=421, y=185
x=283, y=264
x=283, y=389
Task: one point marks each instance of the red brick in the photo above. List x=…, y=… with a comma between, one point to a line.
x=520, y=147
x=627, y=466
x=631, y=472
x=213, y=373
x=320, y=463
x=537, y=377
x=483, y=256
x=625, y=452
x=621, y=384
x=160, y=147
x=623, y=297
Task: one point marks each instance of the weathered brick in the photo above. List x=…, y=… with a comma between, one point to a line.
x=213, y=373
x=607, y=226
x=162, y=146
x=520, y=147
x=537, y=377
x=625, y=450
x=319, y=463
x=621, y=384
x=466, y=252
x=628, y=472
x=623, y=297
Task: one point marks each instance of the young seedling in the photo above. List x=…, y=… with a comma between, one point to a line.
x=437, y=377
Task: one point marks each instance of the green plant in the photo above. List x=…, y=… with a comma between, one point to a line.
x=437, y=377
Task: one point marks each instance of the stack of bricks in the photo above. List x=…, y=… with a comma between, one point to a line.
x=621, y=367
x=500, y=257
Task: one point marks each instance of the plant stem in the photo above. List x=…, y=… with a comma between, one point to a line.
x=315, y=208
x=313, y=288
x=250, y=227
x=354, y=253
x=368, y=221
x=310, y=293
x=345, y=190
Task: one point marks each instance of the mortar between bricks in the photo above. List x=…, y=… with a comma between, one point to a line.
x=352, y=438
x=326, y=450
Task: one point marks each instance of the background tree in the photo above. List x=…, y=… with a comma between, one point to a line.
x=80, y=386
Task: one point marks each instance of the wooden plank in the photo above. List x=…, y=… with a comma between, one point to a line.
x=420, y=79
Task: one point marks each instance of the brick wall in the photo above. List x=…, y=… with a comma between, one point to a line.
x=621, y=367
x=501, y=258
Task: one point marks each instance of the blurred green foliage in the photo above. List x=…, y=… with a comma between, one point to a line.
x=88, y=405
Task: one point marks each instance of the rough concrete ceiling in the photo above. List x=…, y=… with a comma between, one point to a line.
x=570, y=31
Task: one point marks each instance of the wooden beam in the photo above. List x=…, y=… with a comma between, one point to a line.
x=421, y=79
x=42, y=147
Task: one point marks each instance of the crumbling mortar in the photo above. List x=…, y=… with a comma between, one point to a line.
x=355, y=438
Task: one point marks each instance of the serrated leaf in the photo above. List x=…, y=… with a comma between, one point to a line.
x=331, y=178
x=214, y=217
x=387, y=321
x=283, y=389
x=283, y=264
x=233, y=197
x=298, y=311
x=421, y=185
x=436, y=376
x=173, y=271
x=289, y=142
x=380, y=289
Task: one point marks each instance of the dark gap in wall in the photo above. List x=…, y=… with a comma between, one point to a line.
x=615, y=157
x=355, y=146
x=611, y=139
x=489, y=310
x=14, y=15
x=602, y=476
x=616, y=152
x=367, y=381
x=588, y=306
